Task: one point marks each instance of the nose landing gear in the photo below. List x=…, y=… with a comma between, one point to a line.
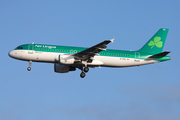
x=30, y=63
x=29, y=68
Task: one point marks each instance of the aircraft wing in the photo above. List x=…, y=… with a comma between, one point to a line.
x=87, y=54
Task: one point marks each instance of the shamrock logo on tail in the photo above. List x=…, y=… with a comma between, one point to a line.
x=157, y=42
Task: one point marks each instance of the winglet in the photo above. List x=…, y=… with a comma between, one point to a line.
x=112, y=40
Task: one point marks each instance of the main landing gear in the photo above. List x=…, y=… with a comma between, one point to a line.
x=30, y=63
x=84, y=71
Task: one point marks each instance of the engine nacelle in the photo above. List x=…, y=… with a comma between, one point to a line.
x=66, y=59
x=59, y=68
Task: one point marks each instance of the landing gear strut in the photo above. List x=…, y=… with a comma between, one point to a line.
x=30, y=63
x=84, y=71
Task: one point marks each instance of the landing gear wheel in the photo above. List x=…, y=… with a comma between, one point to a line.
x=82, y=75
x=86, y=69
x=29, y=68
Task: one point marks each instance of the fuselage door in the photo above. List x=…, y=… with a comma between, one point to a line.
x=137, y=56
x=30, y=49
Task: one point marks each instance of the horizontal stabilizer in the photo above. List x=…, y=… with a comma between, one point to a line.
x=160, y=55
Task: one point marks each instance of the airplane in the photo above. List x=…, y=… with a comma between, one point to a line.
x=67, y=58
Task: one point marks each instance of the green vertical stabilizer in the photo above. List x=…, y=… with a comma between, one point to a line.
x=156, y=43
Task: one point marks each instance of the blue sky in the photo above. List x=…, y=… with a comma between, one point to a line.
x=136, y=93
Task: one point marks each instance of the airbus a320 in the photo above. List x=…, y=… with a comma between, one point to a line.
x=67, y=58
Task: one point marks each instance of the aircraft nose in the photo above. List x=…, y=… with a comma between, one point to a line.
x=11, y=53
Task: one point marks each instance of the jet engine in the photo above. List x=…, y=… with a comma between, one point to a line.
x=59, y=68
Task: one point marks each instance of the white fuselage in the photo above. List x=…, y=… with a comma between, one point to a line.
x=98, y=60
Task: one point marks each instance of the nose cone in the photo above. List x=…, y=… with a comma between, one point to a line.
x=11, y=54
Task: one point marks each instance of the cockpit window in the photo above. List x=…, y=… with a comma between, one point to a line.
x=19, y=47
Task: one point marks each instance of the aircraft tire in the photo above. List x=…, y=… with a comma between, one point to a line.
x=29, y=68
x=86, y=69
x=82, y=75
